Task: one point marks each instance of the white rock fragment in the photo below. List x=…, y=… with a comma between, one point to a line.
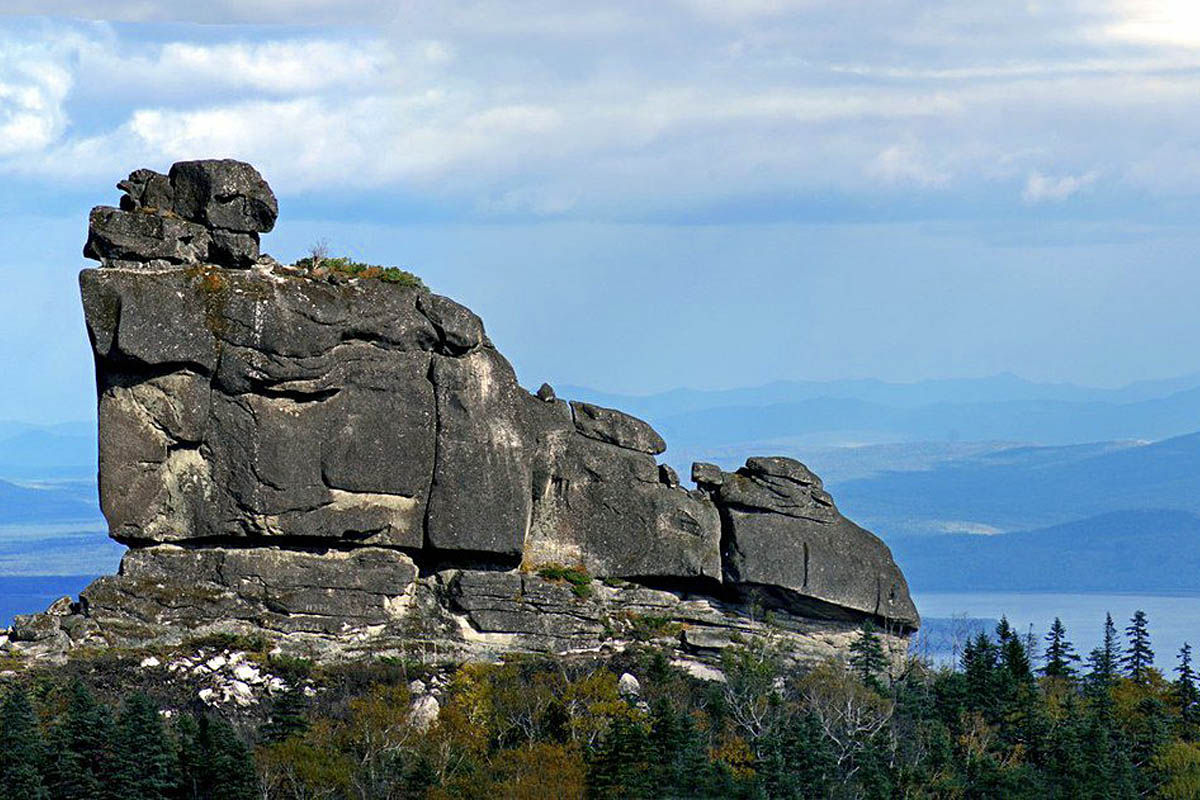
x=150, y=662
x=424, y=711
x=241, y=694
x=216, y=662
x=628, y=686
x=247, y=673
x=207, y=696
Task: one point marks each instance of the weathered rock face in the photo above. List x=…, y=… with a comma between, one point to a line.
x=352, y=467
x=784, y=535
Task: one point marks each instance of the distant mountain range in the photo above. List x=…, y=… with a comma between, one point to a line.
x=47, y=504
x=1143, y=551
x=1027, y=487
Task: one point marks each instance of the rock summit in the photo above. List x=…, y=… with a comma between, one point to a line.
x=351, y=467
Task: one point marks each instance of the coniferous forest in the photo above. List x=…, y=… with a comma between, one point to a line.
x=1017, y=717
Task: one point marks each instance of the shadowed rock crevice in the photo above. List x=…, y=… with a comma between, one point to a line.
x=352, y=467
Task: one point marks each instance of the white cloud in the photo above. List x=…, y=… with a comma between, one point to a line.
x=627, y=109
x=1041, y=188
x=904, y=164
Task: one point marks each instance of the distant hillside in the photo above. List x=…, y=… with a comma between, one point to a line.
x=1001, y=408
x=1125, y=551
x=21, y=504
x=1028, y=487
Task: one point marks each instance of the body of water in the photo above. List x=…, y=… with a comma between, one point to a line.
x=1174, y=619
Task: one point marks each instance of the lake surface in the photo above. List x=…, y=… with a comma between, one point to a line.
x=1174, y=619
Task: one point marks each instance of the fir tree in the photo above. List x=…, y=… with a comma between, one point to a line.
x=1014, y=658
x=1060, y=653
x=287, y=716
x=867, y=658
x=1186, y=693
x=82, y=761
x=146, y=766
x=228, y=768
x=1139, y=658
x=621, y=766
x=1103, y=662
x=21, y=752
x=979, y=664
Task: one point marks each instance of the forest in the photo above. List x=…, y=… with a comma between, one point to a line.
x=1015, y=717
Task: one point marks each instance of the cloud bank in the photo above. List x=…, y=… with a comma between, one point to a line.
x=687, y=109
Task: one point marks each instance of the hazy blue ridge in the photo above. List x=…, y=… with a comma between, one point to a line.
x=1123, y=551
x=1024, y=488
x=25, y=504
x=992, y=389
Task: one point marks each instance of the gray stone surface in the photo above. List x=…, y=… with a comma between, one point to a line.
x=480, y=494
x=223, y=193
x=233, y=249
x=145, y=188
x=140, y=239
x=604, y=507
x=616, y=427
x=784, y=535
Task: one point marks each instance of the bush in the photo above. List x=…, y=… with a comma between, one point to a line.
x=319, y=264
x=581, y=582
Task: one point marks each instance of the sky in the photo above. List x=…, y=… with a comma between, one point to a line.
x=640, y=196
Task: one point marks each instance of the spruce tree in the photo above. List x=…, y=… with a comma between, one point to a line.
x=1187, y=695
x=287, y=716
x=867, y=658
x=1139, y=658
x=21, y=751
x=146, y=766
x=228, y=769
x=1060, y=653
x=1103, y=663
x=83, y=750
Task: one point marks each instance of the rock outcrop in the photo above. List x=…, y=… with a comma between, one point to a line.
x=349, y=465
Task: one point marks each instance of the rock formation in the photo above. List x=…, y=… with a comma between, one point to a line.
x=349, y=465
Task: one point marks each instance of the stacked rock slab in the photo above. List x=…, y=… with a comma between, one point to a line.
x=349, y=466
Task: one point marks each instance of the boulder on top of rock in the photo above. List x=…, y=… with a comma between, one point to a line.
x=145, y=188
x=782, y=485
x=223, y=193
x=141, y=240
x=616, y=427
x=783, y=535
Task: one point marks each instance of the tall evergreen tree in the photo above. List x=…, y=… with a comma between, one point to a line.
x=146, y=767
x=1103, y=663
x=287, y=716
x=981, y=676
x=228, y=767
x=82, y=766
x=867, y=658
x=1187, y=695
x=21, y=751
x=1139, y=658
x=1060, y=653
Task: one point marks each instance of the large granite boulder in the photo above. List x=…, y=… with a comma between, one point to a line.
x=223, y=193
x=785, y=538
x=140, y=240
x=203, y=212
x=350, y=467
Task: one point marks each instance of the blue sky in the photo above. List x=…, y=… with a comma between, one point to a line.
x=637, y=196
